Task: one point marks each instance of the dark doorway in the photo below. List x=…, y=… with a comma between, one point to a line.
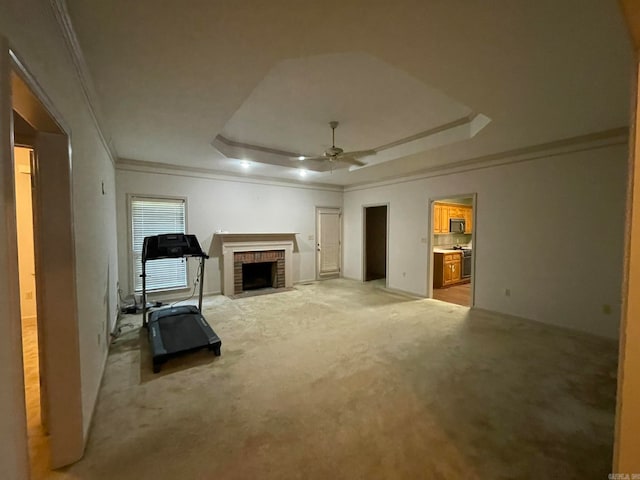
x=258, y=275
x=375, y=242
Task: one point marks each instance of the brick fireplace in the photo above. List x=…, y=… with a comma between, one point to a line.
x=273, y=259
x=271, y=253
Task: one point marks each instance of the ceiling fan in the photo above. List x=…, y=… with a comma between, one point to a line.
x=335, y=154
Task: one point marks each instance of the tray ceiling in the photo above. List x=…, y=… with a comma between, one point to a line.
x=171, y=76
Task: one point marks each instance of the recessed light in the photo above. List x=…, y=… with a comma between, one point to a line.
x=245, y=164
x=301, y=157
x=302, y=172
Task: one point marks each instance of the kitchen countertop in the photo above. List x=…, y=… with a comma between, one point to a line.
x=446, y=250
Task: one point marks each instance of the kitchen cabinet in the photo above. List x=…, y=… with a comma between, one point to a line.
x=443, y=212
x=437, y=213
x=440, y=218
x=447, y=269
x=456, y=212
x=468, y=220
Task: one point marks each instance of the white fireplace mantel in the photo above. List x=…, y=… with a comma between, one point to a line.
x=254, y=242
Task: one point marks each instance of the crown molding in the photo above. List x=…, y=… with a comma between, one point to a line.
x=61, y=14
x=124, y=164
x=582, y=143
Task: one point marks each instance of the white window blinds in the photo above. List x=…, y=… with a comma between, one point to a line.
x=154, y=216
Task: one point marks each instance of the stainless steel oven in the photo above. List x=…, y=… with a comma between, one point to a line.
x=467, y=255
x=466, y=263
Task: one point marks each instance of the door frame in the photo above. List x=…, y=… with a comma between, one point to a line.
x=626, y=448
x=364, y=240
x=431, y=235
x=316, y=247
x=54, y=244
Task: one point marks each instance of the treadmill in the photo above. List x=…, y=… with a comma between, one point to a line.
x=181, y=329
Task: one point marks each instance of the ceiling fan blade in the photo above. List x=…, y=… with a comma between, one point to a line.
x=359, y=153
x=315, y=159
x=350, y=160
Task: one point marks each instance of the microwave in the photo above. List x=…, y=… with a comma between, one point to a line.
x=456, y=225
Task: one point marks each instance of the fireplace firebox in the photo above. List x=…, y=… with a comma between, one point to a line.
x=258, y=269
x=258, y=275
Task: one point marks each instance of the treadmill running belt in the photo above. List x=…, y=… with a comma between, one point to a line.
x=182, y=332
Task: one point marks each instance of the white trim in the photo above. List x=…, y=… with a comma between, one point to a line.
x=20, y=69
x=14, y=451
x=230, y=247
x=130, y=252
x=430, y=241
x=458, y=130
x=317, y=240
x=595, y=141
x=211, y=174
x=61, y=15
x=605, y=139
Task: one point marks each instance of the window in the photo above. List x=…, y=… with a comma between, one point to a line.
x=153, y=216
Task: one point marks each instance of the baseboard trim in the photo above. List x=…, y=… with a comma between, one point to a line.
x=404, y=293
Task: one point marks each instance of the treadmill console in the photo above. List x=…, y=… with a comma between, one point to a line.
x=171, y=245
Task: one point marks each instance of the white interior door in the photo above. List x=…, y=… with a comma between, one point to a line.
x=328, y=248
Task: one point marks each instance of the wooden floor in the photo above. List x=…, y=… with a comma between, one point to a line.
x=458, y=294
x=35, y=431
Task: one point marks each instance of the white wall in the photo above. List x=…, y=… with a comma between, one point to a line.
x=227, y=204
x=33, y=33
x=550, y=230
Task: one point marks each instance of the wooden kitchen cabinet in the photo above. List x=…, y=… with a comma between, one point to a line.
x=444, y=219
x=437, y=213
x=440, y=218
x=447, y=269
x=443, y=212
x=456, y=212
x=468, y=220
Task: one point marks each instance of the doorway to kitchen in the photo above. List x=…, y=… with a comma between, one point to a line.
x=375, y=243
x=451, y=249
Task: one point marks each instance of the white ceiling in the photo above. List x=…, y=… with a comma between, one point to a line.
x=171, y=76
x=374, y=102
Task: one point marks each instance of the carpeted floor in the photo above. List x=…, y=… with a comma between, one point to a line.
x=344, y=380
